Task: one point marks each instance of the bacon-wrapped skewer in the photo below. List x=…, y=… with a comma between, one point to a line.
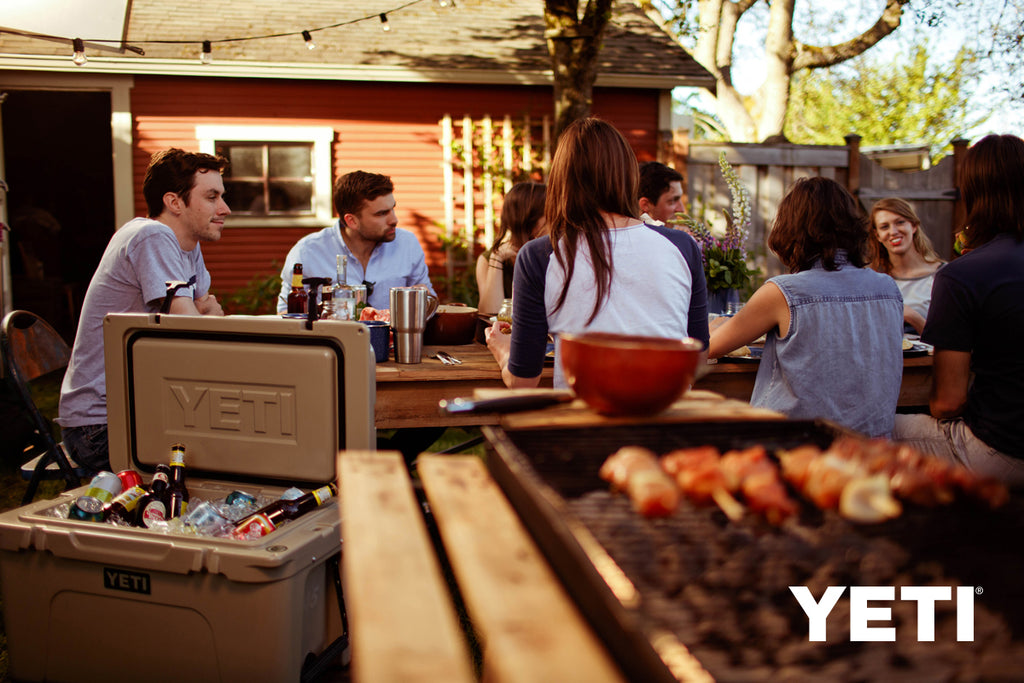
x=697, y=472
x=637, y=472
x=756, y=476
x=836, y=479
x=916, y=477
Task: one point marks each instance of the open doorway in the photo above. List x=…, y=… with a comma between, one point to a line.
x=58, y=161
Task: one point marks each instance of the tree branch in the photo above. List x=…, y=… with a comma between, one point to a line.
x=813, y=57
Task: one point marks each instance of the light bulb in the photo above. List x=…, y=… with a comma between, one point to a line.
x=445, y=4
x=79, y=57
x=309, y=40
x=384, y=25
x=207, y=55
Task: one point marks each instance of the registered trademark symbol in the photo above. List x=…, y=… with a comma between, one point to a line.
x=978, y=590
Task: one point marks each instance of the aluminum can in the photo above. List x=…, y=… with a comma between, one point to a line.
x=129, y=479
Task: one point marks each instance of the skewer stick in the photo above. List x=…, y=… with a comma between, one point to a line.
x=732, y=508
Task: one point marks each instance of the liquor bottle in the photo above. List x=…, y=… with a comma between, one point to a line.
x=342, y=280
x=177, y=492
x=152, y=507
x=270, y=517
x=121, y=510
x=89, y=507
x=297, y=298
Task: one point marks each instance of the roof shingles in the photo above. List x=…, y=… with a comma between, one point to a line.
x=480, y=35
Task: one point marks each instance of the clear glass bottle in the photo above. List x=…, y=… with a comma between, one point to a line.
x=505, y=315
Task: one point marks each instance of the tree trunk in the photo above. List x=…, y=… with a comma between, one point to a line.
x=574, y=45
x=778, y=50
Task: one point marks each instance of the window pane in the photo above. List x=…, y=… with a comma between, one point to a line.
x=291, y=161
x=246, y=160
x=291, y=196
x=244, y=196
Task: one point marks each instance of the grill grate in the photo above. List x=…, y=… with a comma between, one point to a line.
x=722, y=587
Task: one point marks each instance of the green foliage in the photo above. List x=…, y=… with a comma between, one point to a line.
x=725, y=258
x=726, y=269
x=257, y=297
x=904, y=101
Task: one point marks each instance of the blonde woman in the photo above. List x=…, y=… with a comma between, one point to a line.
x=903, y=251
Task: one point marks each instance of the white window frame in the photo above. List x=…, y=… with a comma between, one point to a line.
x=322, y=139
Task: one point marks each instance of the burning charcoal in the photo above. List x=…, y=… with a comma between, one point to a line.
x=776, y=576
x=877, y=569
x=926, y=573
x=874, y=662
x=1002, y=666
x=798, y=674
x=800, y=652
x=771, y=626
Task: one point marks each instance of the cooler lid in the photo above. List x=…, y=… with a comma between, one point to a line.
x=252, y=398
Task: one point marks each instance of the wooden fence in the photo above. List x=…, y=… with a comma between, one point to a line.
x=483, y=158
x=767, y=171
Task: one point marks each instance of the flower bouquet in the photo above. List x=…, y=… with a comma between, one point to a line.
x=725, y=257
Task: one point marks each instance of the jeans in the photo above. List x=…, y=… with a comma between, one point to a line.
x=88, y=446
x=953, y=441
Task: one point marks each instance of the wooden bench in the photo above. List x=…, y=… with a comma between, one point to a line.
x=402, y=625
x=529, y=628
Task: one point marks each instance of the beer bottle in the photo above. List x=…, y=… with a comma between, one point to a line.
x=270, y=517
x=121, y=510
x=177, y=493
x=297, y=298
x=153, y=506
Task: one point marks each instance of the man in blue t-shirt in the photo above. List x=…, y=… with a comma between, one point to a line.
x=184, y=195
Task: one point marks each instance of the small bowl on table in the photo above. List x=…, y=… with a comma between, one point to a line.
x=618, y=374
x=451, y=325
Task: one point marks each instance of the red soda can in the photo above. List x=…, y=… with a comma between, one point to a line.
x=129, y=479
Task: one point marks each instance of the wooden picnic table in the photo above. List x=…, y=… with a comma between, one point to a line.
x=408, y=394
x=736, y=380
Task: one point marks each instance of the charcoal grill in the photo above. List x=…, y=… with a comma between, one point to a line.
x=695, y=591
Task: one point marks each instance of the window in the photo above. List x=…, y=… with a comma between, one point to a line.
x=279, y=175
x=269, y=179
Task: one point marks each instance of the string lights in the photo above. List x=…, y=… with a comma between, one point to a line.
x=206, y=53
x=78, y=47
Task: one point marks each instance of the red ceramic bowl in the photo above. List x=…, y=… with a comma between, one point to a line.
x=627, y=375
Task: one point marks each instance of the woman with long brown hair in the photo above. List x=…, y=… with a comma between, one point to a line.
x=522, y=219
x=902, y=250
x=600, y=269
x=833, y=328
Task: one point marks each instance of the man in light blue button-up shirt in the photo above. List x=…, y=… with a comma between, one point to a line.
x=380, y=255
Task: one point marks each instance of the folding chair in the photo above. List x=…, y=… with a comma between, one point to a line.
x=31, y=350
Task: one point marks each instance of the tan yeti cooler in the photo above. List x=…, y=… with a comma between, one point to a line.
x=261, y=404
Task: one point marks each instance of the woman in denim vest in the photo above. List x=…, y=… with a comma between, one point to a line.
x=834, y=328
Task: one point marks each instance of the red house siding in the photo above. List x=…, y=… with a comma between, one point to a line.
x=384, y=127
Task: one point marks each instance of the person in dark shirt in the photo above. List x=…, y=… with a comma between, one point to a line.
x=661, y=192
x=976, y=322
